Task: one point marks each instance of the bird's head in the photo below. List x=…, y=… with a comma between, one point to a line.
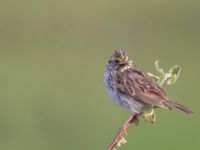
x=119, y=57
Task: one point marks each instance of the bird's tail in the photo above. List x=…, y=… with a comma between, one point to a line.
x=171, y=104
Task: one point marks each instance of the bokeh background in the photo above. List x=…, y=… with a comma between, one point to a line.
x=52, y=59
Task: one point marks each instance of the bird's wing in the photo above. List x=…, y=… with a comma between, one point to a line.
x=141, y=87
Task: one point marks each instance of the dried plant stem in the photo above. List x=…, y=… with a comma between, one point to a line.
x=164, y=86
x=122, y=131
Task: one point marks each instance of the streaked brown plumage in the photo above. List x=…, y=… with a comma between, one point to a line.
x=133, y=89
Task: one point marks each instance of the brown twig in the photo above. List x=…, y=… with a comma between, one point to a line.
x=122, y=131
x=165, y=85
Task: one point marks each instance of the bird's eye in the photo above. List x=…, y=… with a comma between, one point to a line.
x=116, y=61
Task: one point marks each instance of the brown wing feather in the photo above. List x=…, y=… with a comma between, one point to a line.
x=141, y=87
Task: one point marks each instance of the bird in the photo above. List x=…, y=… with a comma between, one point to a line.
x=133, y=89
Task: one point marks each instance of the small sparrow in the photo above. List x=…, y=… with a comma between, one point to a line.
x=133, y=89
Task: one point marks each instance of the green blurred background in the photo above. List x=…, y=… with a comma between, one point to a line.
x=52, y=59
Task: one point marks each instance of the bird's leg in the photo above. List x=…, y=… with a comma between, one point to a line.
x=149, y=116
x=135, y=119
